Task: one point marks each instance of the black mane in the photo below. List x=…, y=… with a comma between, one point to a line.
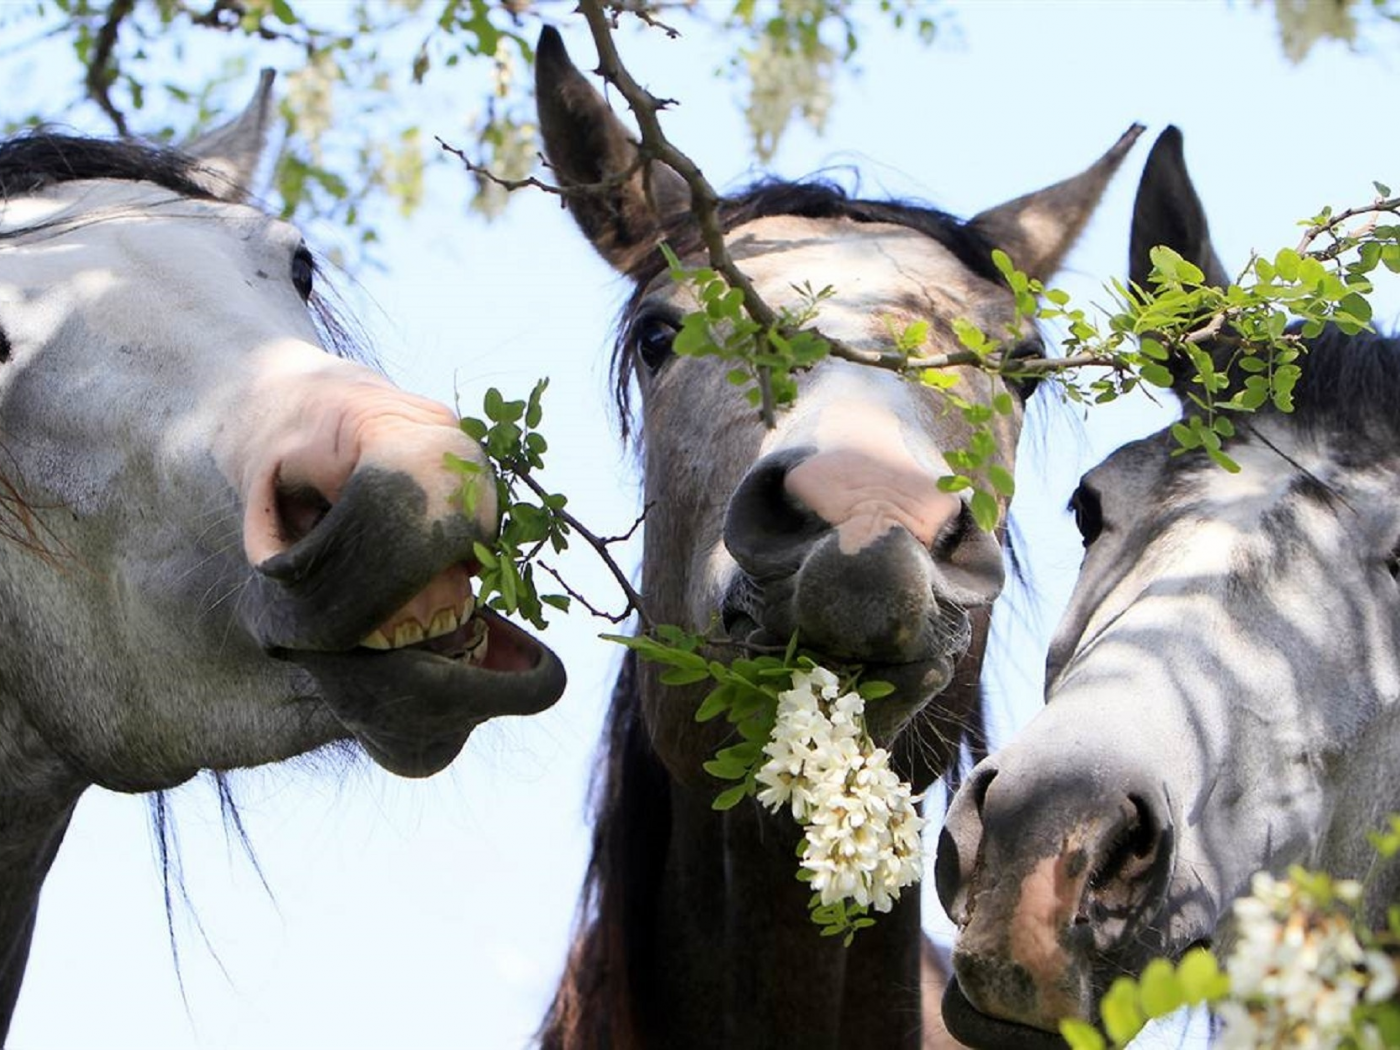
x=808, y=199
x=33, y=161
x=1350, y=386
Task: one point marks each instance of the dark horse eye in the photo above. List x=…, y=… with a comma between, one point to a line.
x=1392, y=563
x=651, y=339
x=1088, y=514
x=303, y=268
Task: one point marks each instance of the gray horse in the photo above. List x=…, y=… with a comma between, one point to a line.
x=1223, y=689
x=831, y=526
x=223, y=545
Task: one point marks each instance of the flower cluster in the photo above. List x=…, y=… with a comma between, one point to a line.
x=862, y=824
x=1298, y=970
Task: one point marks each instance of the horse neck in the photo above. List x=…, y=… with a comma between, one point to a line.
x=37, y=798
x=700, y=935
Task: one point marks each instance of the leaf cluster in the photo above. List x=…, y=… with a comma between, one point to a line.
x=512, y=442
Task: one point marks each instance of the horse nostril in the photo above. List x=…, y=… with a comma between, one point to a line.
x=300, y=509
x=954, y=531
x=765, y=528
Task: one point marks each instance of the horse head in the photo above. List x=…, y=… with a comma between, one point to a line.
x=253, y=545
x=830, y=526
x=1221, y=692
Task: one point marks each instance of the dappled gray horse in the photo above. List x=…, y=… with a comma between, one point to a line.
x=830, y=526
x=1222, y=689
x=223, y=545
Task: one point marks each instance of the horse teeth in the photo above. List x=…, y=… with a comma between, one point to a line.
x=467, y=609
x=478, y=643
x=376, y=639
x=444, y=622
x=410, y=632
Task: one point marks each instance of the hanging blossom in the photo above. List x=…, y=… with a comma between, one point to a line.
x=862, y=827
x=1298, y=969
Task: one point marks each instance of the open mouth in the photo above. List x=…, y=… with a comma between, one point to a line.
x=415, y=686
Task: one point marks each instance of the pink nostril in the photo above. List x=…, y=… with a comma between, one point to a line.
x=300, y=509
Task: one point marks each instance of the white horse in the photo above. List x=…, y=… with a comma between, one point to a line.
x=1224, y=689
x=224, y=545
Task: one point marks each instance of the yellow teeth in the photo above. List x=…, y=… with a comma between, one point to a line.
x=410, y=632
x=477, y=644
x=444, y=622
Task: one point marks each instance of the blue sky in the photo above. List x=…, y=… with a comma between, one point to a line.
x=437, y=914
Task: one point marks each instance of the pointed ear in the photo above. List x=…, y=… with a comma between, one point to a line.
x=229, y=155
x=1039, y=229
x=1168, y=212
x=619, y=206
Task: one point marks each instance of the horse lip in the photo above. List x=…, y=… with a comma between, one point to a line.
x=971, y=1026
x=412, y=710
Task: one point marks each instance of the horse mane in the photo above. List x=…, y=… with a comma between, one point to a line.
x=35, y=160
x=599, y=997
x=808, y=199
x=1350, y=386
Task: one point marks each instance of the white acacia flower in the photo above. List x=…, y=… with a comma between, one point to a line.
x=1298, y=970
x=862, y=823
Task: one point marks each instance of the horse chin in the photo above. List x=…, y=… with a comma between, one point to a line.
x=412, y=709
x=916, y=682
x=973, y=1028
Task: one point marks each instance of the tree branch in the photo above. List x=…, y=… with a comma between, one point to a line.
x=600, y=547
x=102, y=69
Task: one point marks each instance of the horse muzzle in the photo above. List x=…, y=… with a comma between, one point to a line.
x=375, y=602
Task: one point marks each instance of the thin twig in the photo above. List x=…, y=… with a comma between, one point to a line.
x=1374, y=209
x=600, y=546
x=602, y=614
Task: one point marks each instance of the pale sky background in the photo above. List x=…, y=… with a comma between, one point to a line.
x=436, y=914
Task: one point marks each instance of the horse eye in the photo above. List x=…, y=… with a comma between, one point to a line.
x=652, y=338
x=303, y=269
x=1392, y=563
x=1088, y=513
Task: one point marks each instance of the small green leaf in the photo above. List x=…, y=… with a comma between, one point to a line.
x=730, y=797
x=1160, y=989
x=1200, y=976
x=875, y=690
x=1122, y=1016
x=1081, y=1035
x=984, y=510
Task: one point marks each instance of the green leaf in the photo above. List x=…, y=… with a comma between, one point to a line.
x=1200, y=976
x=1160, y=989
x=984, y=510
x=875, y=690
x=730, y=797
x=684, y=675
x=1122, y=1016
x=1081, y=1035
x=1001, y=480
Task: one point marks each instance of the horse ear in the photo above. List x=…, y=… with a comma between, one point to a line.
x=617, y=201
x=1037, y=230
x=229, y=155
x=1168, y=212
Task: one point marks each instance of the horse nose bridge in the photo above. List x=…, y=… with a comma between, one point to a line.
x=344, y=422
x=863, y=493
